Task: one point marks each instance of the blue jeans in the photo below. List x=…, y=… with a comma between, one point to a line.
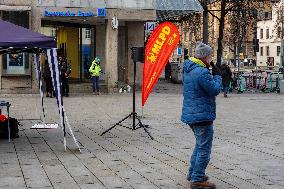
x=226, y=88
x=96, y=87
x=201, y=153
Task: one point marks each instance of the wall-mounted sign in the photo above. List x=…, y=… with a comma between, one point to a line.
x=69, y=13
x=16, y=63
x=114, y=23
x=179, y=51
x=101, y=12
x=150, y=26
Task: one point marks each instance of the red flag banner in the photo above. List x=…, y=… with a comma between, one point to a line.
x=159, y=48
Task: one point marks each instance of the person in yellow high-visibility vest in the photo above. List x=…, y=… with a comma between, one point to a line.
x=96, y=71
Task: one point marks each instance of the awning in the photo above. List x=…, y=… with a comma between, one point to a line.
x=176, y=9
x=15, y=39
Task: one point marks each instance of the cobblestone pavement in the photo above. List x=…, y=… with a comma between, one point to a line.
x=248, y=149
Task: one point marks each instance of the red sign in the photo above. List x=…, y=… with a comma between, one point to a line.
x=159, y=48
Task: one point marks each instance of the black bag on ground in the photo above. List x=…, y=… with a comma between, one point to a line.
x=14, y=128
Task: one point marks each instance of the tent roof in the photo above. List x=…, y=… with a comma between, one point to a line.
x=15, y=38
x=176, y=9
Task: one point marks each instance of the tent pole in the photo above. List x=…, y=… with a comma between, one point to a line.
x=71, y=131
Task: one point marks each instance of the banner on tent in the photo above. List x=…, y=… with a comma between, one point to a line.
x=45, y=126
x=159, y=48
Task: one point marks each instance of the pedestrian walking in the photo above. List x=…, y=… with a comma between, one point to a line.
x=65, y=71
x=199, y=111
x=47, y=79
x=95, y=71
x=168, y=71
x=226, y=74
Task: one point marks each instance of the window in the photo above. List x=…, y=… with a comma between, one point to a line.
x=268, y=15
x=261, y=33
x=278, y=50
x=16, y=64
x=267, y=33
x=260, y=14
x=87, y=33
x=53, y=32
x=279, y=32
x=267, y=51
x=261, y=51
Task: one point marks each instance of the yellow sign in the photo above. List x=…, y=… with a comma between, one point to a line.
x=241, y=56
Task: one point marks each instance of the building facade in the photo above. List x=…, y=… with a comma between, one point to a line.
x=83, y=29
x=269, y=35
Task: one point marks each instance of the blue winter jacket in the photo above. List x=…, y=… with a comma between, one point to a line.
x=200, y=91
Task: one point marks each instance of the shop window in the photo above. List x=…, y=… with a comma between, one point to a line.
x=16, y=64
x=278, y=50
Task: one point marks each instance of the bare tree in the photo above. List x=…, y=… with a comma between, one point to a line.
x=279, y=28
x=241, y=9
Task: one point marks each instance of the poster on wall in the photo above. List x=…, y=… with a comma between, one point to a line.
x=16, y=63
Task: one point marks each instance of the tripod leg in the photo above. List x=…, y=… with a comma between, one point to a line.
x=141, y=125
x=118, y=123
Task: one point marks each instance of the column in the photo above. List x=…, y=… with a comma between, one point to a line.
x=100, y=40
x=35, y=25
x=111, y=54
x=1, y=64
x=135, y=39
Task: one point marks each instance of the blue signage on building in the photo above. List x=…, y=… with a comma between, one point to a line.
x=179, y=51
x=101, y=12
x=79, y=13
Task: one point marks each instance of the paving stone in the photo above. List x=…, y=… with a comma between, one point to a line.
x=248, y=147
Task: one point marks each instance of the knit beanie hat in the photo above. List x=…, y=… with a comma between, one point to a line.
x=97, y=59
x=202, y=50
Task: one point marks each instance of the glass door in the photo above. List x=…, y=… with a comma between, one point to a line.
x=86, y=52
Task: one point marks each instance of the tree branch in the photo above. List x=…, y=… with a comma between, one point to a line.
x=214, y=15
x=231, y=8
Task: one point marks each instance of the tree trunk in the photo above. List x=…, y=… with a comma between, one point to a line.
x=235, y=53
x=221, y=32
x=205, y=22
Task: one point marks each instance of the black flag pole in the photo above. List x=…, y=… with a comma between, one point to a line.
x=137, y=56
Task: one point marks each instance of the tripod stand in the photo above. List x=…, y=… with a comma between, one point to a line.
x=133, y=114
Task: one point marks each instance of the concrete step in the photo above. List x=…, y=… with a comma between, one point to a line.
x=85, y=88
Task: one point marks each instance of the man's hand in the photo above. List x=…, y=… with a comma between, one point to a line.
x=215, y=69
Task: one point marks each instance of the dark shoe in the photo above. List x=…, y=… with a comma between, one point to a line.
x=67, y=95
x=202, y=185
x=225, y=95
x=205, y=178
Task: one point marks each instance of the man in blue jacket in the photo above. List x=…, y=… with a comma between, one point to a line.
x=199, y=110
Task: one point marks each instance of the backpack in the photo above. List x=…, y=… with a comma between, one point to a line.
x=14, y=128
x=224, y=72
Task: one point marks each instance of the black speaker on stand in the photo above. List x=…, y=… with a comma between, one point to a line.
x=137, y=55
